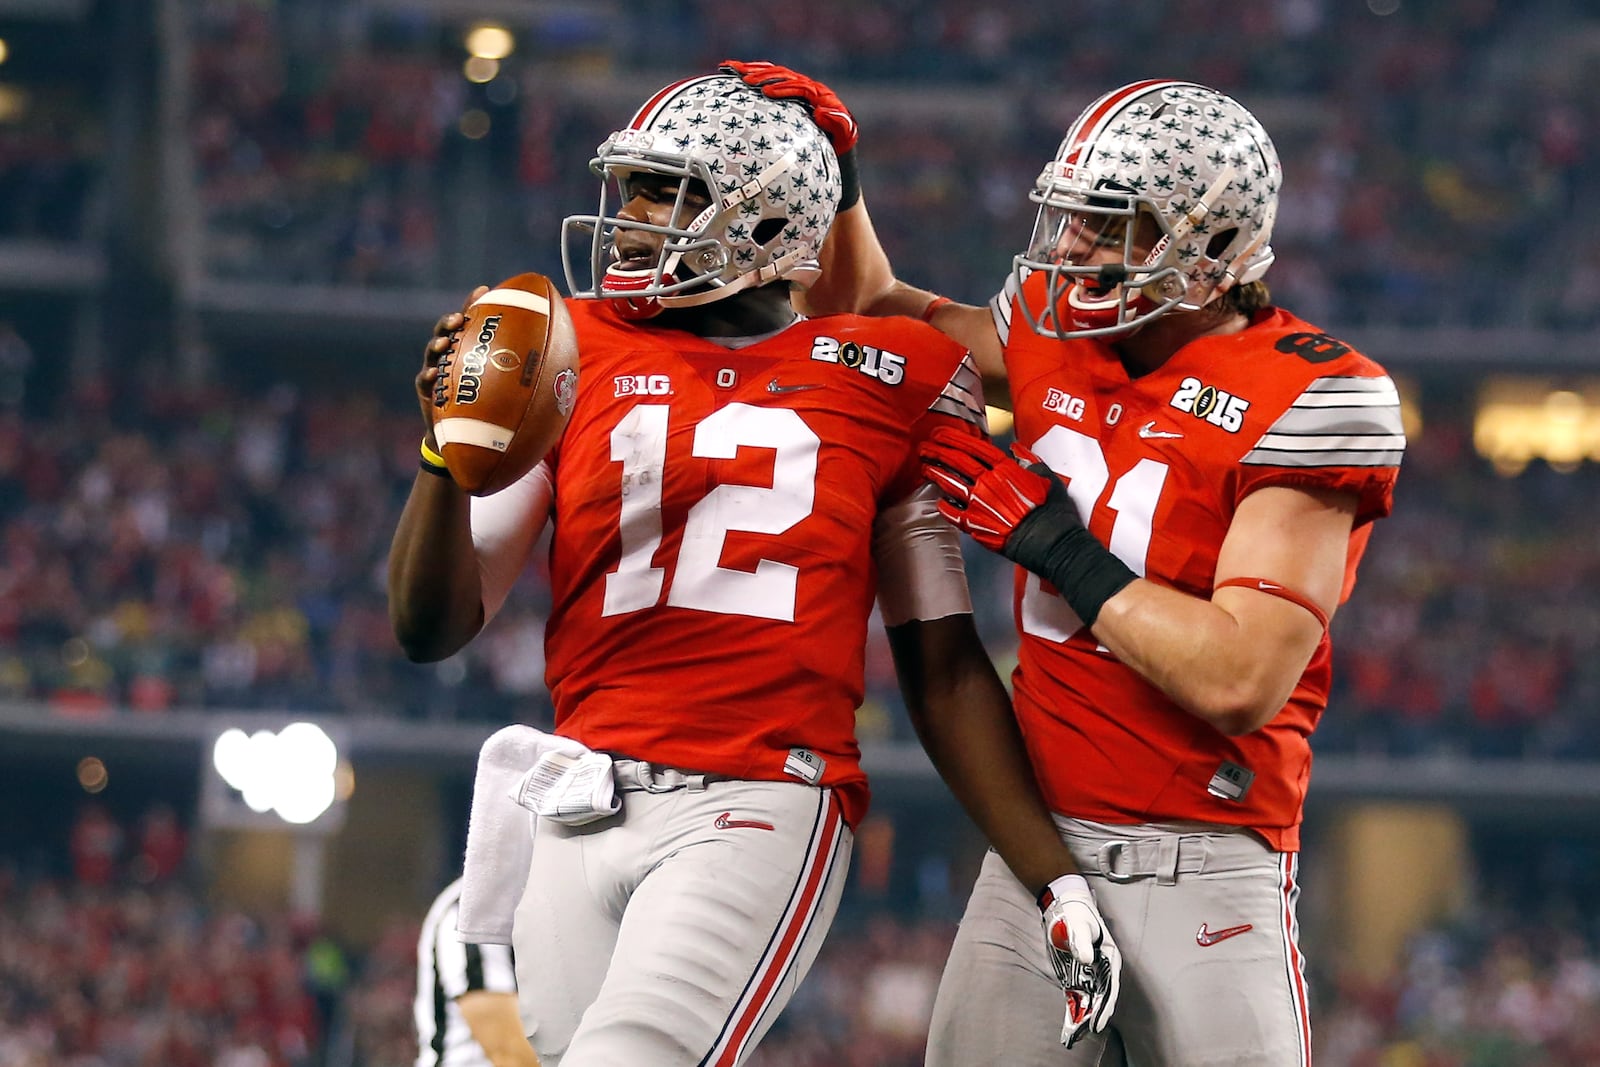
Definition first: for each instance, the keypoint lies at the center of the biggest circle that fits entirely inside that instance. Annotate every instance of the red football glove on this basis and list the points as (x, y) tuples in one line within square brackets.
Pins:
[(982, 490), (781, 83)]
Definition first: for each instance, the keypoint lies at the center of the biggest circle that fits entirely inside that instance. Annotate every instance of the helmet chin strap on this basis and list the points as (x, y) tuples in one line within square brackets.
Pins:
[(753, 280)]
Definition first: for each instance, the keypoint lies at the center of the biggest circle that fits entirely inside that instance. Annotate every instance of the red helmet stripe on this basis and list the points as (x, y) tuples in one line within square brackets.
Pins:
[(1087, 128), (648, 112)]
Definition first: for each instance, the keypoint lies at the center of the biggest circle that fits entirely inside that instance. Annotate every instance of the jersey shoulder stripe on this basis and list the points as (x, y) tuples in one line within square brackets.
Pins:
[(1000, 308), (962, 396), (1337, 421)]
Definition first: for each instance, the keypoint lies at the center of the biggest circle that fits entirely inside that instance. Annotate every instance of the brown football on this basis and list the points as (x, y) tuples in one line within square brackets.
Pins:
[(506, 387)]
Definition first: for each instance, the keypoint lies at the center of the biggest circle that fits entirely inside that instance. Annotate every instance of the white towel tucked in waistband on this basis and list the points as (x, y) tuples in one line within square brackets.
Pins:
[(499, 838)]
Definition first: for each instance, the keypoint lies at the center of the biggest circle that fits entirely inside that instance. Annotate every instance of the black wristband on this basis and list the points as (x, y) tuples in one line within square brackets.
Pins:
[(433, 468), (1053, 544), (849, 180)]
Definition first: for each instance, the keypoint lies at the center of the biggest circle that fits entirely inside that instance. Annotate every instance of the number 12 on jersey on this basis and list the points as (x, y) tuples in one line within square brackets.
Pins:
[(699, 582), (1134, 496)]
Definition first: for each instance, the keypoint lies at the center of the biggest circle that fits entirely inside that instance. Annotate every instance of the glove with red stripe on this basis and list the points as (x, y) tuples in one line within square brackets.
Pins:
[(1025, 514), (1087, 961), (827, 111), (982, 490)]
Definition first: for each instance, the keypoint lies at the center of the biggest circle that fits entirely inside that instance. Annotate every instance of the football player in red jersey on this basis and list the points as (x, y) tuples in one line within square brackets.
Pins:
[(1198, 473), (734, 487)]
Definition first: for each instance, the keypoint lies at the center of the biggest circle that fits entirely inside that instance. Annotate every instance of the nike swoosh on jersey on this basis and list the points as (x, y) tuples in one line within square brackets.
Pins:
[(1205, 937), (1149, 430), (723, 822), (799, 387)]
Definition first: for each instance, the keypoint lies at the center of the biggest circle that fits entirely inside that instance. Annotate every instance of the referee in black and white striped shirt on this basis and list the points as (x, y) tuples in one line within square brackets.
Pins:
[(466, 1005)]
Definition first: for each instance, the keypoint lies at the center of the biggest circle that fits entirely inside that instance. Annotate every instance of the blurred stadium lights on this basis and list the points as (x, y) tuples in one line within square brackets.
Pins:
[(13, 103), (293, 773), (5, 50), (92, 774), (1519, 420), (474, 124), (1410, 408), (480, 69), (490, 40)]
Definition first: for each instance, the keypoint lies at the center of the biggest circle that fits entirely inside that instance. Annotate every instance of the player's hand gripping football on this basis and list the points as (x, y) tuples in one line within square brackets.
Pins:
[(439, 346), (1086, 959), (781, 83)]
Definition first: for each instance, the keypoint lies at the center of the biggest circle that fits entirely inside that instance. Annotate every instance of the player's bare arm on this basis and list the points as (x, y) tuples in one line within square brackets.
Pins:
[(962, 715), (1234, 660), (435, 603), (493, 1020)]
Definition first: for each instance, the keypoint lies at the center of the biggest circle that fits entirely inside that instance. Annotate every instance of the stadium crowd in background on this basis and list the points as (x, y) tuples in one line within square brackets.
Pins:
[(333, 165), (134, 972)]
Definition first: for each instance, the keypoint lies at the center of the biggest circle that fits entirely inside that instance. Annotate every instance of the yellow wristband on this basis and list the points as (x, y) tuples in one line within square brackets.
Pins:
[(432, 458)]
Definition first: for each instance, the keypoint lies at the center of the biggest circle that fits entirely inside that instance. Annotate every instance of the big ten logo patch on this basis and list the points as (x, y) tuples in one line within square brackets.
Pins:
[(1217, 406), (643, 385), (1063, 403), (887, 367)]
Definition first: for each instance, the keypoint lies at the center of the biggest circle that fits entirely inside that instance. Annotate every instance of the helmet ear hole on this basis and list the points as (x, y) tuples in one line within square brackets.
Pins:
[(766, 230), (1219, 242)]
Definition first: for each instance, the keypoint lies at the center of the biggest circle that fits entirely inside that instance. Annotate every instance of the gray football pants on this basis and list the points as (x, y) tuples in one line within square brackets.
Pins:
[(1211, 971), (673, 933)]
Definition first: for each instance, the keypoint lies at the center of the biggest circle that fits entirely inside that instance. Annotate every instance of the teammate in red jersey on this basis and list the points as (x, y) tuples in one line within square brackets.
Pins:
[(735, 486), (1199, 472)]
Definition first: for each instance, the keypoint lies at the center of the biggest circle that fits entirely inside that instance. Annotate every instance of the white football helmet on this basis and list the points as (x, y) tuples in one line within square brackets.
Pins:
[(773, 176), (1181, 178)]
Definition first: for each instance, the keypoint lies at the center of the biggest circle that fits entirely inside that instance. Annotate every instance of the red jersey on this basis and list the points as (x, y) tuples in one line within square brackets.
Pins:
[(712, 565), (1158, 464)]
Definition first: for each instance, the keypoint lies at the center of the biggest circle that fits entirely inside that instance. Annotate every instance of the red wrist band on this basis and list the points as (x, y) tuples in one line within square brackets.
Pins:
[(1262, 585), (934, 305)]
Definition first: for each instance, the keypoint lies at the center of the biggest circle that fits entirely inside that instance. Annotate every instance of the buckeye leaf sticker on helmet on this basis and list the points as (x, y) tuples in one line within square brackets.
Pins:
[(507, 385)]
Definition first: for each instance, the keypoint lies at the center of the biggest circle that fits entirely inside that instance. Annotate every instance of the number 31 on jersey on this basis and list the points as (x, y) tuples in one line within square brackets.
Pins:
[(1134, 496)]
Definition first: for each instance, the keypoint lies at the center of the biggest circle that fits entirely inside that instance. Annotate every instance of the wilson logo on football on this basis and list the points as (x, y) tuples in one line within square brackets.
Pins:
[(474, 361)]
